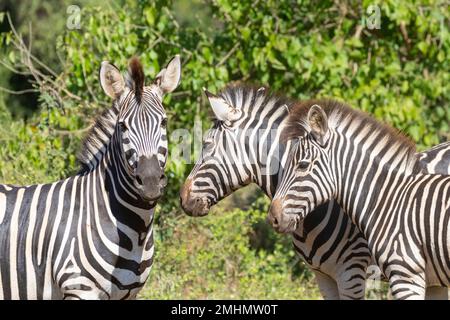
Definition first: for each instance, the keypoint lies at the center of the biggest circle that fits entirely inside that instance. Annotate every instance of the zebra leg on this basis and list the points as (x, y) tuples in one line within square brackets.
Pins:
[(352, 285), (436, 293), (406, 288), (78, 287), (328, 287)]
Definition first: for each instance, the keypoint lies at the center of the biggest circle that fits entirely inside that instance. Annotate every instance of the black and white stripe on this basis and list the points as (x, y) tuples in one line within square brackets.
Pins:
[(247, 147), (90, 236), (374, 174)]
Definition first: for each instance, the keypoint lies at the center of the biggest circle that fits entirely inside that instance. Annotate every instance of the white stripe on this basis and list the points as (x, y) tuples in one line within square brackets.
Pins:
[(31, 272), (2, 207), (51, 245), (68, 228), (48, 204), (13, 239)]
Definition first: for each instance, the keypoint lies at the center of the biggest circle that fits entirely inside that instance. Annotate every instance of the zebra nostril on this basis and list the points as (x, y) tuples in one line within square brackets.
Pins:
[(275, 222), (138, 180), (198, 200)]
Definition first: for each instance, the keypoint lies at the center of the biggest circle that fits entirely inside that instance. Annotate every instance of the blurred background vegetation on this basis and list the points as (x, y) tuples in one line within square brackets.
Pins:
[(303, 49)]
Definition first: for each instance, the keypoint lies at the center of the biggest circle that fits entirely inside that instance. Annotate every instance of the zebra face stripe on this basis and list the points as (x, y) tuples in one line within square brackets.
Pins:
[(242, 147), (220, 169), (139, 132), (306, 183), (143, 138)]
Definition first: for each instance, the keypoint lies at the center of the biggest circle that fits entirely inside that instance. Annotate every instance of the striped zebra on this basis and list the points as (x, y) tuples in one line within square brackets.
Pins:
[(244, 147), (373, 173), (90, 236)]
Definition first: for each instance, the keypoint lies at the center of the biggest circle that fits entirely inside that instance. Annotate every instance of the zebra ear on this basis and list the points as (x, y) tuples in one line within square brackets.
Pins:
[(111, 80), (222, 110), (318, 122), (169, 77)]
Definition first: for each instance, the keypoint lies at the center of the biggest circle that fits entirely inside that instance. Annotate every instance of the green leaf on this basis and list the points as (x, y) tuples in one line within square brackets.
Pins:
[(150, 14), (12, 56), (423, 47)]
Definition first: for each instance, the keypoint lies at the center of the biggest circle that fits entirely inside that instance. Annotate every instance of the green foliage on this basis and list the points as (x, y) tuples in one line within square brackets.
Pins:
[(39, 152), (213, 258), (302, 49)]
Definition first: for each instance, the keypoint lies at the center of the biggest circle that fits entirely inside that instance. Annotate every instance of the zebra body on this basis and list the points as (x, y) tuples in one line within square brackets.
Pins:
[(90, 236), (373, 173), (246, 147), (63, 240)]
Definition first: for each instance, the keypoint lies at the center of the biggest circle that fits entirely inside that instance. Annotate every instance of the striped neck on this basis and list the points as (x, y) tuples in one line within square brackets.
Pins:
[(268, 156), (367, 171), (97, 140)]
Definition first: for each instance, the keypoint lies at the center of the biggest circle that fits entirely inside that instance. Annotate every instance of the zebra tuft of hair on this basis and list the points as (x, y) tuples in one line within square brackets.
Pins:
[(136, 76)]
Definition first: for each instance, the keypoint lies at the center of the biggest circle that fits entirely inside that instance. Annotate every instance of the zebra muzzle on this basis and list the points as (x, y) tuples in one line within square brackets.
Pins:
[(279, 220), (192, 205), (150, 179)]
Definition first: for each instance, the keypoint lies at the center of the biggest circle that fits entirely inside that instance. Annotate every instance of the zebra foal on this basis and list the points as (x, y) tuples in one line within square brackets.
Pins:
[(372, 172), (90, 236)]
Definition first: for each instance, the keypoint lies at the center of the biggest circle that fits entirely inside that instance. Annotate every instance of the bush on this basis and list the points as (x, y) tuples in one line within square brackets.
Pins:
[(213, 258)]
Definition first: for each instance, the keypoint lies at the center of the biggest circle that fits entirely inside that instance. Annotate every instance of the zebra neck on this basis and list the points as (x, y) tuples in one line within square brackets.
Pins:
[(270, 154), (365, 179), (97, 140)]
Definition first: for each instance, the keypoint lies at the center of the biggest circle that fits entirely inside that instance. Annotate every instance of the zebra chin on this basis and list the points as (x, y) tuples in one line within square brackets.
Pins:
[(281, 221), (151, 196)]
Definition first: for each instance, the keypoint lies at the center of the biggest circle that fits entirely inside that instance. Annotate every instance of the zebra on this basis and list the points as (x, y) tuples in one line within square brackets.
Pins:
[(90, 236), (372, 171), (244, 146)]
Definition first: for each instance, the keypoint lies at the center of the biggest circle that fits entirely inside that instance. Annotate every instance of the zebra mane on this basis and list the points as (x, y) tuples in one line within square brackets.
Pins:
[(98, 137), (247, 97), (135, 77), (338, 114)]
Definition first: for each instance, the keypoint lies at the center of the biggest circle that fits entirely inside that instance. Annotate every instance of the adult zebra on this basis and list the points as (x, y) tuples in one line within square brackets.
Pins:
[(372, 172), (90, 236), (243, 147)]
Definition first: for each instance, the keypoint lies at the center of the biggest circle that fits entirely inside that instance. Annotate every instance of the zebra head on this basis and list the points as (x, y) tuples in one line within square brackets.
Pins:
[(140, 133), (306, 181), (223, 164)]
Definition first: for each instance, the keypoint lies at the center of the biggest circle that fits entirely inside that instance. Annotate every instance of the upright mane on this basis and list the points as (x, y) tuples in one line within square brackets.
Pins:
[(98, 137), (341, 115), (249, 97), (136, 73)]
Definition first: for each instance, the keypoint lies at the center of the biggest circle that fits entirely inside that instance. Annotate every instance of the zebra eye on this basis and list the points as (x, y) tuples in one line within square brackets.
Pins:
[(303, 165), (164, 123), (122, 126)]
